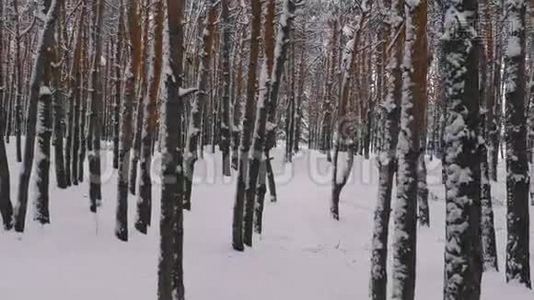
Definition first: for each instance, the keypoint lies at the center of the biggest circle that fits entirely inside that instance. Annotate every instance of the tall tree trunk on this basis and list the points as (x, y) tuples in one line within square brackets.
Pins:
[(226, 125), (170, 268), (463, 265), (247, 130), (126, 130), (95, 114), (144, 201), (44, 42), (517, 177), (6, 208), (201, 99), (387, 161), (345, 124), (408, 150)]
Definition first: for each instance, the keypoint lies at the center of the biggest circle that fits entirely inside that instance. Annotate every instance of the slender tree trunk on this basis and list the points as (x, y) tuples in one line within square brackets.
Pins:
[(388, 161), (126, 130), (226, 125), (201, 99), (144, 201), (6, 208), (95, 114), (247, 129), (408, 150)]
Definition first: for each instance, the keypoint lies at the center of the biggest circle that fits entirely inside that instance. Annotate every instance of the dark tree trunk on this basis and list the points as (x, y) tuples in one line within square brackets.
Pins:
[(408, 150), (247, 130), (388, 161), (42, 161), (95, 115), (463, 262), (170, 267), (517, 177), (45, 41), (144, 202), (6, 208)]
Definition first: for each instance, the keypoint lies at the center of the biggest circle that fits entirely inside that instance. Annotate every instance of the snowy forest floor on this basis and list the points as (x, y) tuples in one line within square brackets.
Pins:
[(302, 255)]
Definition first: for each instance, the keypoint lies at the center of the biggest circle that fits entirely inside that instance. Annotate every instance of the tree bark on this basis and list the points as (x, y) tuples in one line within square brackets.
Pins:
[(517, 177), (45, 41)]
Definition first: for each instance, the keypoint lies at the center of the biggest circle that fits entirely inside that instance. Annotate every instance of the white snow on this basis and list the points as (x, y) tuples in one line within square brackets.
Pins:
[(303, 253)]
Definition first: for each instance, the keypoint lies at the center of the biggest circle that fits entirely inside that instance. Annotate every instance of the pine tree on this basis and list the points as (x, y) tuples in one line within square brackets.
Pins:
[(517, 178), (408, 149), (463, 249), (95, 110), (170, 268), (246, 134), (42, 161), (201, 99), (44, 42), (144, 201), (387, 161), (6, 208)]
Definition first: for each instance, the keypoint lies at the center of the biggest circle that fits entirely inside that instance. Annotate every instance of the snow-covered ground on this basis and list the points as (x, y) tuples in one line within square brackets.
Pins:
[(303, 254)]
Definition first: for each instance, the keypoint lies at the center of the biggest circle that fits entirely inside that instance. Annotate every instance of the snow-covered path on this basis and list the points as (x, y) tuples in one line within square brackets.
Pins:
[(303, 254)]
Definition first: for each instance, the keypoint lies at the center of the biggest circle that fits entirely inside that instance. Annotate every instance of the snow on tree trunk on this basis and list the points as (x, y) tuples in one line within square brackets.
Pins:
[(463, 265), (224, 143), (45, 39), (279, 58), (247, 130), (487, 227), (58, 99), (144, 201), (170, 267), (345, 132), (408, 150), (423, 213), (387, 161), (517, 177), (42, 157), (201, 99), (95, 95), (261, 189), (126, 130), (73, 131), (118, 92)]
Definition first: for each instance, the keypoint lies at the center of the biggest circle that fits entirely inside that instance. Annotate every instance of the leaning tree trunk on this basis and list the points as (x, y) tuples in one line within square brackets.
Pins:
[(517, 177), (345, 125), (44, 42)]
